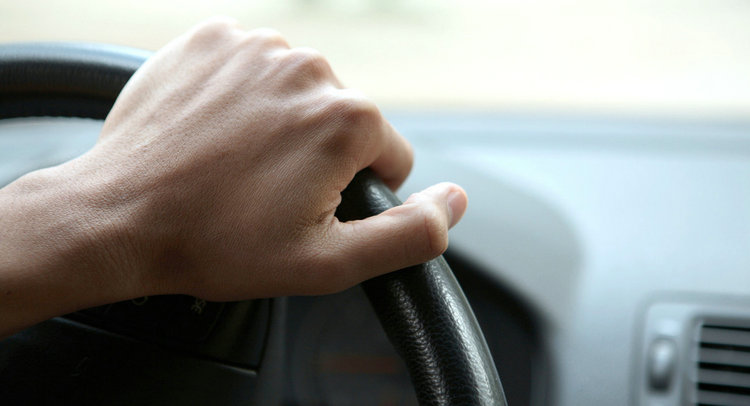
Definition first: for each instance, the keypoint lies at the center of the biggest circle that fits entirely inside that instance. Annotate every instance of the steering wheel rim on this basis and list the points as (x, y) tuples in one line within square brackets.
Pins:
[(422, 309)]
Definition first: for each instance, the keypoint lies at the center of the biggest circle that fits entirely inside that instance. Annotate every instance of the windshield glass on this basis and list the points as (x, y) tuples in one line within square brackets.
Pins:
[(669, 57)]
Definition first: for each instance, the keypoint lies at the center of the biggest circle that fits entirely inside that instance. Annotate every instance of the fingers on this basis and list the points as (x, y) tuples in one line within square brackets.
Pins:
[(373, 141), (406, 235), (366, 135), (396, 158), (306, 67), (210, 31), (222, 33), (269, 37), (216, 21)]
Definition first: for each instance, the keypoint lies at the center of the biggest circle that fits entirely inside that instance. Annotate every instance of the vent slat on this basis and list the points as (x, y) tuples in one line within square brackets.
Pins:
[(724, 357), (724, 378), (714, 335), (735, 325), (721, 398)]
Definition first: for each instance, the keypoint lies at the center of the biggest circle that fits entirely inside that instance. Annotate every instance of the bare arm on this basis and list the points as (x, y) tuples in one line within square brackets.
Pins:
[(217, 174)]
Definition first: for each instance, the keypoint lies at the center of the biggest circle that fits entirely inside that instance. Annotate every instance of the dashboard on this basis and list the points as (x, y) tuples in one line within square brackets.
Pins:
[(606, 258), (599, 222), (337, 350)]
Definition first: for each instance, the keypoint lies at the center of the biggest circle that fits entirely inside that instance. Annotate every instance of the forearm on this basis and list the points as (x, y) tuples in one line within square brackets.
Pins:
[(56, 249)]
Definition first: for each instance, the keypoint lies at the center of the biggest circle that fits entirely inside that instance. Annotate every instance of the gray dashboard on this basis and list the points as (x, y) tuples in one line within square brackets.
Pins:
[(594, 221)]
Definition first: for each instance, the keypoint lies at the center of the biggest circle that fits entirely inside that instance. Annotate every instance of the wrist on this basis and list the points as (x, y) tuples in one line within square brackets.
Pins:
[(66, 245)]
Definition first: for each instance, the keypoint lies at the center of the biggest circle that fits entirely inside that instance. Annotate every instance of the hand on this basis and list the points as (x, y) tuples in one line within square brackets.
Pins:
[(220, 167)]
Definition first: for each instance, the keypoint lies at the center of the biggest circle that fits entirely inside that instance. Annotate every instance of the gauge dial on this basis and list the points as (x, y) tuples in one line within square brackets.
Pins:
[(341, 355)]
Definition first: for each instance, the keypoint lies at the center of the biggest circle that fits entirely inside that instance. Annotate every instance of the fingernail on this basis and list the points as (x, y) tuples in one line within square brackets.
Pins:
[(456, 207)]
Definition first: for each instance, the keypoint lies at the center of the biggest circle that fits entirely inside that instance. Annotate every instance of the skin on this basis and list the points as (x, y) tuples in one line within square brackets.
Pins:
[(216, 174)]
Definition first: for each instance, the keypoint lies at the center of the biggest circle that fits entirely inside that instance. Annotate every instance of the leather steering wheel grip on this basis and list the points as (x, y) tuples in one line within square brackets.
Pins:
[(422, 309), (426, 316)]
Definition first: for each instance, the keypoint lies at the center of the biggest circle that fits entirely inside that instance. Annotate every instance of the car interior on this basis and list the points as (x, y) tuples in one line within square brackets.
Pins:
[(605, 253)]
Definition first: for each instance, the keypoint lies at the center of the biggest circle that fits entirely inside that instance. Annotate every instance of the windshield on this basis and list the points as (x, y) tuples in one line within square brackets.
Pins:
[(665, 57)]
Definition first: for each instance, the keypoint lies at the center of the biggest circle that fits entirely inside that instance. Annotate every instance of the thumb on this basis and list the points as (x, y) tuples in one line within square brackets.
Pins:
[(402, 236)]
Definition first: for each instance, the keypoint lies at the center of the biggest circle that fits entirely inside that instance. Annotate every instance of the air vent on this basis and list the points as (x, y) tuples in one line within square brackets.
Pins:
[(723, 364)]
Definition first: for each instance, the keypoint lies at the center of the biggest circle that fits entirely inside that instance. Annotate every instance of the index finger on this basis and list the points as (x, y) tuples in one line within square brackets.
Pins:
[(396, 157)]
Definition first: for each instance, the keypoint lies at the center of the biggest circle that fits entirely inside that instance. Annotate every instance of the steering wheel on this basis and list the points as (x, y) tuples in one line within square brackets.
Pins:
[(422, 309)]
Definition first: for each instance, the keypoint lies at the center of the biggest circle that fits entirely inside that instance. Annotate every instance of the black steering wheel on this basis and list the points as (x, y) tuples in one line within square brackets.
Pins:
[(422, 309)]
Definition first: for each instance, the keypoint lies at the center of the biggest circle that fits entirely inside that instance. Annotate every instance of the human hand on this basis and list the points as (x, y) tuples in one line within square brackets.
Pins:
[(218, 172)]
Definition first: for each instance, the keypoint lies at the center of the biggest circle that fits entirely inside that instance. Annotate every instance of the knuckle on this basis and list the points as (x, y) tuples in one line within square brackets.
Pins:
[(310, 61), (435, 231), (355, 128), (355, 125), (355, 110), (212, 30), (267, 36)]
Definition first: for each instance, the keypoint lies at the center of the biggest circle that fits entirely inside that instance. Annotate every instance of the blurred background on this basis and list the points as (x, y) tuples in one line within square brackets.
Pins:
[(604, 144), (686, 58)]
